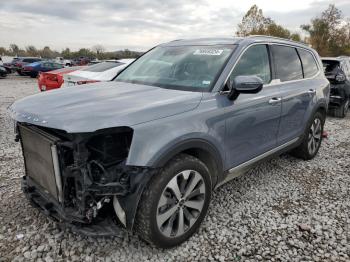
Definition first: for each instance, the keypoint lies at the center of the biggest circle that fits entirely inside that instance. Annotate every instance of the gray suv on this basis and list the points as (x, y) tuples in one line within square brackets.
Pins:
[(145, 151)]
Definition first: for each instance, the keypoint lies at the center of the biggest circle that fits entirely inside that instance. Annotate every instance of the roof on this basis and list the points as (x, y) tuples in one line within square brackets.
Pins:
[(339, 58), (333, 58), (233, 40), (204, 41)]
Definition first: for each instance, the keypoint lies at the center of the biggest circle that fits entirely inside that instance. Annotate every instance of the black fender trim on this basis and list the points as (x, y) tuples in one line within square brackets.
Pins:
[(142, 175), (192, 144)]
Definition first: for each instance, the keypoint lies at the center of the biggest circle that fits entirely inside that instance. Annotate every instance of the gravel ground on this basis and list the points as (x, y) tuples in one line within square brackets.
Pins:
[(283, 210)]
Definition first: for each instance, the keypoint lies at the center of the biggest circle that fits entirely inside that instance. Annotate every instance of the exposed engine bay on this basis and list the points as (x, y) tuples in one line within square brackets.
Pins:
[(82, 179)]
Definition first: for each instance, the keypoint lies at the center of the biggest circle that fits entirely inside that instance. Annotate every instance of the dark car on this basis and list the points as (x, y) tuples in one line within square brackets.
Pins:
[(337, 71), (22, 61), (81, 61), (33, 69), (148, 148), (3, 71)]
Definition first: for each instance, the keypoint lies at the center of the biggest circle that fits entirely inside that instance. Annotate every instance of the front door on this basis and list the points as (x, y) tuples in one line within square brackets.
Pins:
[(252, 119)]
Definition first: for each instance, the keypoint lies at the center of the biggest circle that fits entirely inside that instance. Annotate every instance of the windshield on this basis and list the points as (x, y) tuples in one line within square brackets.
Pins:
[(192, 68)]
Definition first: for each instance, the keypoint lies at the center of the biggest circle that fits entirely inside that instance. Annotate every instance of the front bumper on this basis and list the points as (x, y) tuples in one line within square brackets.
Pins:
[(66, 219)]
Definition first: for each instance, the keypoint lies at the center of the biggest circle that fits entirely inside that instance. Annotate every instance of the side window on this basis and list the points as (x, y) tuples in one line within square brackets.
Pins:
[(57, 66), (309, 63), (287, 63), (254, 61)]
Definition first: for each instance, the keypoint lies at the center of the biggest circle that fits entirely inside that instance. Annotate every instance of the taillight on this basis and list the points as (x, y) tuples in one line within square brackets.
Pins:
[(87, 82), (28, 68)]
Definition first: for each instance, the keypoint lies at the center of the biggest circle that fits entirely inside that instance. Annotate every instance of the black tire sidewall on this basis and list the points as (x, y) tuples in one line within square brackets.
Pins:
[(166, 175)]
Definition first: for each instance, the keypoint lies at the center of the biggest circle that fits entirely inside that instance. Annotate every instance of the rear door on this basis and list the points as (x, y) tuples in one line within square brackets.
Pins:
[(297, 92)]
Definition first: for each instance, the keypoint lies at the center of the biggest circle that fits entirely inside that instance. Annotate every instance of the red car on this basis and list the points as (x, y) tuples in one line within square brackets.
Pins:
[(54, 79)]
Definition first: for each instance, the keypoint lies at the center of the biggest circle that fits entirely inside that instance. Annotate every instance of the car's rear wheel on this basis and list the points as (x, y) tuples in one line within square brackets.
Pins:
[(312, 138), (174, 203), (342, 110)]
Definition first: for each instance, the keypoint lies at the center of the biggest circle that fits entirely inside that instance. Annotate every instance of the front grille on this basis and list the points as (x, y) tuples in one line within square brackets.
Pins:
[(40, 158)]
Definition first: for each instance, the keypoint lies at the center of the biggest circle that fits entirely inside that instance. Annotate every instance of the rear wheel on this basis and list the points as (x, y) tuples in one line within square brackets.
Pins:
[(174, 203), (312, 140), (342, 110)]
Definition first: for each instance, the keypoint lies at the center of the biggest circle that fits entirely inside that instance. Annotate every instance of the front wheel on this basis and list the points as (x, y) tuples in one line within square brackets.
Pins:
[(312, 139), (174, 203)]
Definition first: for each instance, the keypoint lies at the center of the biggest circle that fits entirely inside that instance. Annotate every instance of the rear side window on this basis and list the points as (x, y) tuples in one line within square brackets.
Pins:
[(309, 63), (30, 60), (254, 61), (55, 65), (330, 66), (103, 66), (287, 63)]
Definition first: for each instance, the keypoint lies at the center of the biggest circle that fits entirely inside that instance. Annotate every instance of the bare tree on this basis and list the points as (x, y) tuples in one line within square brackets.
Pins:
[(99, 50), (255, 23)]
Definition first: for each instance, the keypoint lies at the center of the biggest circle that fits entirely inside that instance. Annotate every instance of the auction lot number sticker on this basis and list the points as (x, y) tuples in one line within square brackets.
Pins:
[(208, 52)]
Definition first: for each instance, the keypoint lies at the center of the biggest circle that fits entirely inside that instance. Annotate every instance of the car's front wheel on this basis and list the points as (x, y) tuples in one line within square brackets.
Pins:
[(174, 203)]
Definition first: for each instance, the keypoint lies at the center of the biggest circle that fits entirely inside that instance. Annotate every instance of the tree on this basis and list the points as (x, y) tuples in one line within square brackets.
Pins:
[(3, 51), (46, 52), (328, 34), (14, 49), (84, 52), (99, 50), (31, 50), (66, 53), (255, 23)]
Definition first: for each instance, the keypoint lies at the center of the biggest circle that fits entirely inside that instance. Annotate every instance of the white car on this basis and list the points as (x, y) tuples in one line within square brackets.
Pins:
[(104, 71), (62, 61)]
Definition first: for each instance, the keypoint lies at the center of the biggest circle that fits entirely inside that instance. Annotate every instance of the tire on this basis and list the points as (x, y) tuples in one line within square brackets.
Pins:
[(342, 110), (158, 201), (20, 73), (307, 150)]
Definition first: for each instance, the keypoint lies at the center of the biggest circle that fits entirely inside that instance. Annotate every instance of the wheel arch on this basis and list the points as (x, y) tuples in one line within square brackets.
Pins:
[(199, 148)]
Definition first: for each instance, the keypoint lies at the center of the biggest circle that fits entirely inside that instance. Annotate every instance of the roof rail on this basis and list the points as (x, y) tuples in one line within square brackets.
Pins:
[(278, 38)]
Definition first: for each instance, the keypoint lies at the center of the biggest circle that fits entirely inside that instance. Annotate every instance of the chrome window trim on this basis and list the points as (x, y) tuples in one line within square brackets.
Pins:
[(272, 82)]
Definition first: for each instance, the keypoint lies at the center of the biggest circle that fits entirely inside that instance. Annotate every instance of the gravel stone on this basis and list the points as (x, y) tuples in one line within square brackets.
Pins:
[(283, 210)]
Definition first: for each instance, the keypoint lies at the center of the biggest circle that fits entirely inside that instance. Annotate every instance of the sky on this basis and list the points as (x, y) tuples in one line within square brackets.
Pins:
[(140, 24)]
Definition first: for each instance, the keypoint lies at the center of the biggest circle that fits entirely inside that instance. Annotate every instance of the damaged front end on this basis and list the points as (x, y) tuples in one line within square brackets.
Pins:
[(82, 180)]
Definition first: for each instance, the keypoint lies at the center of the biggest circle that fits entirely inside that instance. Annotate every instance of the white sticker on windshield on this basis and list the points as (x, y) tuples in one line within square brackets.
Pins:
[(208, 52), (206, 82)]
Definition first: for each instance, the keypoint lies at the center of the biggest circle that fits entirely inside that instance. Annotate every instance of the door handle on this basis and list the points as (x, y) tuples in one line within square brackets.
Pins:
[(275, 100), (311, 91)]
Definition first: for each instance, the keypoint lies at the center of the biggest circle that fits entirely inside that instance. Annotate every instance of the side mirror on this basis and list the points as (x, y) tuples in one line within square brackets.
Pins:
[(250, 84)]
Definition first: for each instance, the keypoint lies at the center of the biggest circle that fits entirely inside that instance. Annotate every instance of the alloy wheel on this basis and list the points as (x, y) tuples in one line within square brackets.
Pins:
[(315, 135), (181, 203)]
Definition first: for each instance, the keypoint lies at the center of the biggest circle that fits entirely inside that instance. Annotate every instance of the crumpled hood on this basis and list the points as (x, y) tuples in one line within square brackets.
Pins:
[(88, 108)]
